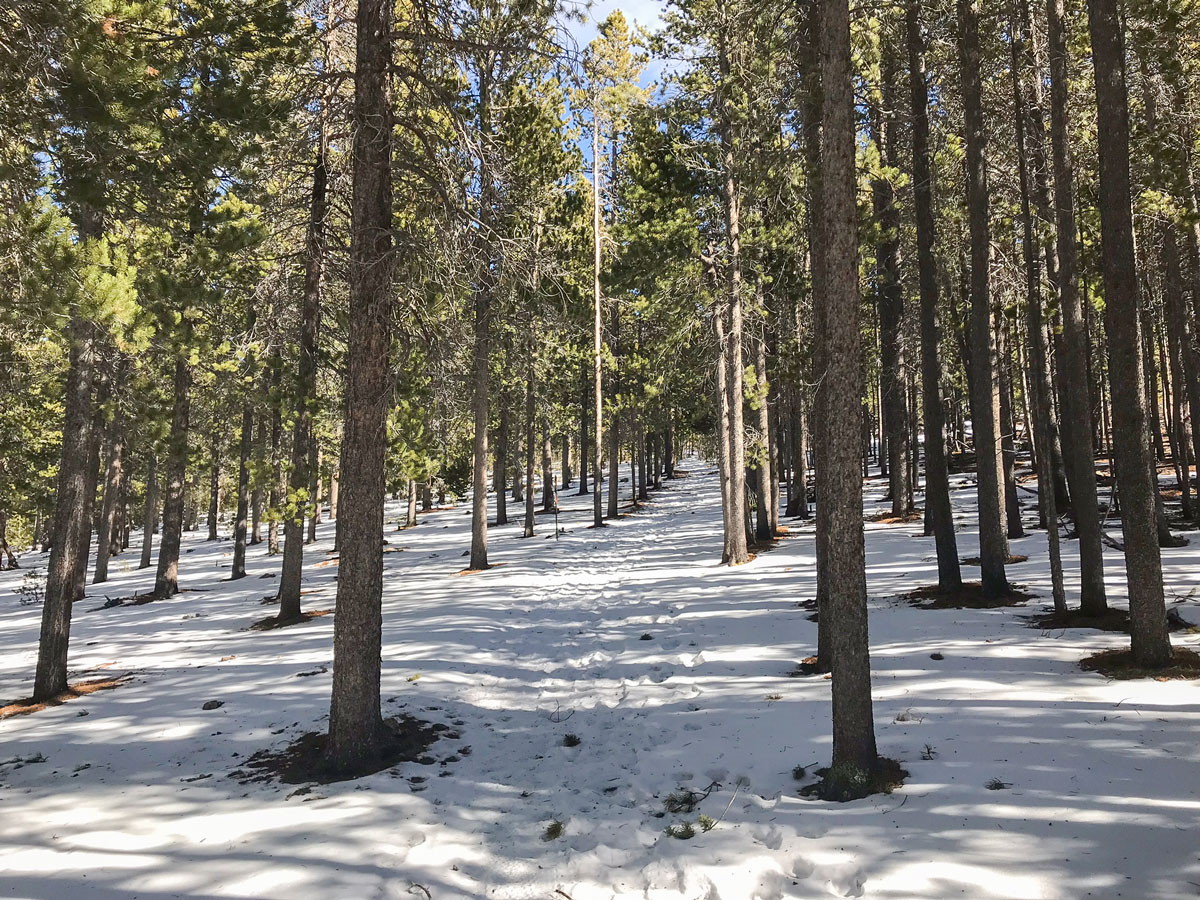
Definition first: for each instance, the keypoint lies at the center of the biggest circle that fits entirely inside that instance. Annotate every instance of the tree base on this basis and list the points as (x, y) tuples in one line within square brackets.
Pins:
[(79, 689), (1116, 620), (402, 739), (273, 623), (1120, 665), (969, 596), (844, 782)]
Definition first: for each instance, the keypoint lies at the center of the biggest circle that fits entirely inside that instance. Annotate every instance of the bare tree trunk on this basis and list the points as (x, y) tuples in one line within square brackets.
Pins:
[(1185, 360), (214, 486), (243, 492), (72, 510), (597, 334), (149, 510), (764, 530), (891, 303), (278, 491), (256, 494), (299, 498), (839, 491), (1132, 450), (355, 723), (938, 513), (1008, 427), (530, 428), (105, 534), (1073, 365), (1039, 365), (738, 550), (547, 467), (410, 517), (985, 406), (166, 580), (500, 465)]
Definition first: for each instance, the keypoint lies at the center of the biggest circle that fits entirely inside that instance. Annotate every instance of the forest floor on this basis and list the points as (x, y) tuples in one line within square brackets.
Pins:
[(1029, 778)]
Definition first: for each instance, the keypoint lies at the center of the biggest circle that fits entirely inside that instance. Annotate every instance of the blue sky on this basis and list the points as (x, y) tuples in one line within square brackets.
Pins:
[(643, 12), (640, 12)]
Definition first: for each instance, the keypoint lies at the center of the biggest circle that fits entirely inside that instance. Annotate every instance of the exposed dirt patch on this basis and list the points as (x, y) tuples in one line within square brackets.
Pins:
[(1113, 620), (886, 518), (1120, 664), (478, 571), (404, 739), (969, 596), (79, 689), (272, 623), (810, 665)]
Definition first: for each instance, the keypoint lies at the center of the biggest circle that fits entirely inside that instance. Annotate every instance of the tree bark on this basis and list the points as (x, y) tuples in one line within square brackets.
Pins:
[(298, 499), (105, 534), (166, 581), (149, 510), (214, 486), (738, 550), (985, 389), (72, 510), (1073, 365), (890, 299), (839, 491), (243, 492), (938, 512), (355, 723), (1133, 454)]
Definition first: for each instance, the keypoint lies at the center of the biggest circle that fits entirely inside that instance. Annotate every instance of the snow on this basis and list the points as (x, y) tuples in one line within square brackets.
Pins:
[(136, 798)]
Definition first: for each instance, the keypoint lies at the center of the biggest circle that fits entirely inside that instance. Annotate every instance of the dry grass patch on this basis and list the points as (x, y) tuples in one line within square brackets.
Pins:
[(886, 518), (79, 689), (1121, 666), (969, 596), (1116, 620), (273, 623)]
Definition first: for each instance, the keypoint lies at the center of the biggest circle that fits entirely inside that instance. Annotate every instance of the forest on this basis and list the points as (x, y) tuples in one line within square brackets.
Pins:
[(540, 448)]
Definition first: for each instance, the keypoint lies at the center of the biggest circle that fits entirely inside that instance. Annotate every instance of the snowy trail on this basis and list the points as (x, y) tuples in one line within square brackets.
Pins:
[(671, 671)]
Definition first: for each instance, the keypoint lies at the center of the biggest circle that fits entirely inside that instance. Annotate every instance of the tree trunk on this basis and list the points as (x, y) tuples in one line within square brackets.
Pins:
[(256, 494), (597, 327), (355, 723), (214, 487), (105, 534), (764, 530), (278, 485), (1008, 428), (890, 294), (298, 498), (938, 514), (530, 429), (547, 468), (985, 392), (243, 492), (166, 580), (1039, 365), (149, 510), (500, 466), (738, 549), (583, 433), (72, 510), (839, 486), (1132, 451), (1073, 364)]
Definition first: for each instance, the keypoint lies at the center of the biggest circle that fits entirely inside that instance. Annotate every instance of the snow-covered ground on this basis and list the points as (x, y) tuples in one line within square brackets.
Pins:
[(135, 796)]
